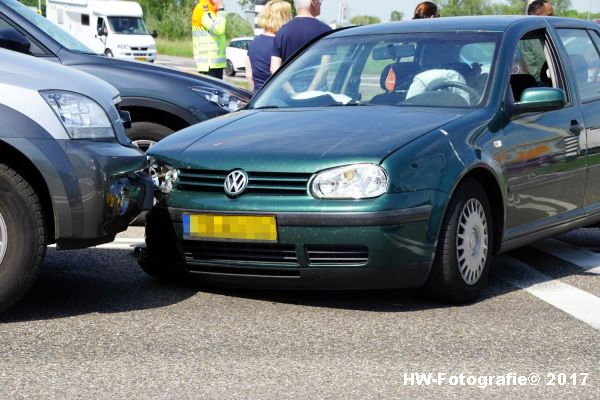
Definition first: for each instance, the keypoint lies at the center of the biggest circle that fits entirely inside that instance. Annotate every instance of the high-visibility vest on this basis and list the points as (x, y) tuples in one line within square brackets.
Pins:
[(208, 37)]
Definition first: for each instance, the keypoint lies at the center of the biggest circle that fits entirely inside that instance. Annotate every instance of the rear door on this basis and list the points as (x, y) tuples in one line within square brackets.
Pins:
[(582, 47), (545, 160)]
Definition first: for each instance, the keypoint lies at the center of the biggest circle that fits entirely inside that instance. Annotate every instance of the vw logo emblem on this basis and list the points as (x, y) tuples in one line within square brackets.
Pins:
[(236, 182)]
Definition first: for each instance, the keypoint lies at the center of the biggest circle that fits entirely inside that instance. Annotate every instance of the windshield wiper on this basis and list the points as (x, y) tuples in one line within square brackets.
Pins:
[(263, 107)]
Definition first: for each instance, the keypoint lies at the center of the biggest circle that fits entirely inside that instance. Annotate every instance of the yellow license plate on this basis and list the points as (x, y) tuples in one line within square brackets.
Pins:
[(140, 58), (229, 227)]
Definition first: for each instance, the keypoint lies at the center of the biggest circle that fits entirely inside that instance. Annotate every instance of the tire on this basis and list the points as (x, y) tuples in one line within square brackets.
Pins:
[(108, 53), (229, 70), (144, 134), (161, 259), (22, 236), (468, 223)]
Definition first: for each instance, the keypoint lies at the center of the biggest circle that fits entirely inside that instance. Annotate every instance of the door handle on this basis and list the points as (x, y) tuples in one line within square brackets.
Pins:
[(576, 127)]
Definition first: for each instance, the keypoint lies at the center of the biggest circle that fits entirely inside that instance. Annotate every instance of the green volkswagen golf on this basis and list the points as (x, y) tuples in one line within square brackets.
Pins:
[(387, 156)]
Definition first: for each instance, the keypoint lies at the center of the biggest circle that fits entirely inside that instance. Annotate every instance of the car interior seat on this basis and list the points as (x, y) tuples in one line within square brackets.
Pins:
[(395, 79), (545, 76)]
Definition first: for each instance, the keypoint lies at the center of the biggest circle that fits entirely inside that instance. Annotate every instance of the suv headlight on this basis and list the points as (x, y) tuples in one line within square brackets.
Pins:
[(358, 181), (221, 98), (81, 116)]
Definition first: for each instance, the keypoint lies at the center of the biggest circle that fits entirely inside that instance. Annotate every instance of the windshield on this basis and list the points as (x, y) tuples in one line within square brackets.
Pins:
[(445, 69), (127, 25), (58, 34)]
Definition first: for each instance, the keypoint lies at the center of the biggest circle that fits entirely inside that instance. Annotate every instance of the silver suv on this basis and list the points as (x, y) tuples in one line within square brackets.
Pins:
[(68, 173)]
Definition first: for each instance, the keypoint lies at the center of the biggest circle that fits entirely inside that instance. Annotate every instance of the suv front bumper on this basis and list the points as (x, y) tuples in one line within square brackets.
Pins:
[(106, 187)]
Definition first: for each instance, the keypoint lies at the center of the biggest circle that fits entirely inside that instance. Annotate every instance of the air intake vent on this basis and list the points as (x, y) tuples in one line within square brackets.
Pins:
[(265, 272), (274, 183), (337, 255), (240, 253)]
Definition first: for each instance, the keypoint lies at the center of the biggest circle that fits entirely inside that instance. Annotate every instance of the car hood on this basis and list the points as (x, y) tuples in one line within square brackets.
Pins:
[(37, 74), (299, 140), (134, 78)]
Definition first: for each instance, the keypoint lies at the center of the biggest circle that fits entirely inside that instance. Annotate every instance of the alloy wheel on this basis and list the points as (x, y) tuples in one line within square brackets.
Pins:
[(3, 238), (472, 241)]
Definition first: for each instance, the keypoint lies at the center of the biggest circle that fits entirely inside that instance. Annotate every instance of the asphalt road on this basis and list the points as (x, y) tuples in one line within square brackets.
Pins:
[(94, 326), (188, 65)]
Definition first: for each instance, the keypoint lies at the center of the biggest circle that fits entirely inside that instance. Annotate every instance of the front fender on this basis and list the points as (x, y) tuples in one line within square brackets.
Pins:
[(439, 161), (60, 180)]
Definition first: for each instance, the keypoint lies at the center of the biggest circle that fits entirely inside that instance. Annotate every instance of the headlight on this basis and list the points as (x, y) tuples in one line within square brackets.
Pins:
[(358, 181), (81, 116), (223, 99), (123, 47), (163, 176), (152, 47)]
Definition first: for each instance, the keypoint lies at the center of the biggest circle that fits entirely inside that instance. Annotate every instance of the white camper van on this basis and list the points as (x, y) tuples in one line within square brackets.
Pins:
[(115, 28)]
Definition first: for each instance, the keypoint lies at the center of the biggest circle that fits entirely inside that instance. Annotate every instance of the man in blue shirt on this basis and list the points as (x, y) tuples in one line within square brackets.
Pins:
[(299, 31)]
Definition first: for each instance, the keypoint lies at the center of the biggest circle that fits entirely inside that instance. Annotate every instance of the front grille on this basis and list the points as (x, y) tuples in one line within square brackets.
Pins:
[(337, 255), (273, 183), (139, 48), (240, 253)]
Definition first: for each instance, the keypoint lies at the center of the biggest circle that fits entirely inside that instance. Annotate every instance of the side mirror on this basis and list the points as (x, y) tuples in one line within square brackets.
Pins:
[(13, 40), (101, 32), (154, 34), (538, 99)]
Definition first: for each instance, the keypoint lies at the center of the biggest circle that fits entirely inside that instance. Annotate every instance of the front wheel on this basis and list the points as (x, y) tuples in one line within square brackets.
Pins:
[(144, 134), (108, 53), (22, 236), (229, 70), (161, 258), (464, 252)]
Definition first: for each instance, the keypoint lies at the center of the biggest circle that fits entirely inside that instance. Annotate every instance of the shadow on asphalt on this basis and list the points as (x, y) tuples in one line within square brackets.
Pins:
[(392, 300), (109, 281), (80, 282)]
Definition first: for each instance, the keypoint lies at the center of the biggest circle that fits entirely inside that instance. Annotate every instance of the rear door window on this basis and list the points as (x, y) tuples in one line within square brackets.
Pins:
[(585, 62)]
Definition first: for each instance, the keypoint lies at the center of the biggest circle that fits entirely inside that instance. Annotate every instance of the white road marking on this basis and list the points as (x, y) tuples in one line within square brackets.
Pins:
[(585, 259), (118, 244), (129, 240), (575, 302)]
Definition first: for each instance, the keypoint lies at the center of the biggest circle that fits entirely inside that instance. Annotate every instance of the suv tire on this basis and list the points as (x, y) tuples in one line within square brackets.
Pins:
[(22, 236)]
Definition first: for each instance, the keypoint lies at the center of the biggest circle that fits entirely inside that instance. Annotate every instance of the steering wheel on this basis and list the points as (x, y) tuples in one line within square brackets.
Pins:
[(475, 95)]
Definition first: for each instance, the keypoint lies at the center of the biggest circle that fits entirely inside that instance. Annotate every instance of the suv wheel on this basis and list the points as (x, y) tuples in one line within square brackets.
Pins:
[(108, 53), (144, 134), (22, 236), (464, 253)]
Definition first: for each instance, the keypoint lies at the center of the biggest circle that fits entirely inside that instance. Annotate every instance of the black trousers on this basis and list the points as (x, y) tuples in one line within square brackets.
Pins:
[(214, 72)]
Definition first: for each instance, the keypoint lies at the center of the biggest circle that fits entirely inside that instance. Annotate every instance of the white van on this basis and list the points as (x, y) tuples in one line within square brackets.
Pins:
[(115, 28)]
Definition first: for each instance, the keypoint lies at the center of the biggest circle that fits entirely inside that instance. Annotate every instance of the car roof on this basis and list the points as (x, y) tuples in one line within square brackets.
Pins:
[(494, 23), (242, 38)]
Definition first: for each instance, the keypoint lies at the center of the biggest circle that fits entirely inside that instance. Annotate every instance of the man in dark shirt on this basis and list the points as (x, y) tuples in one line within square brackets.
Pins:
[(299, 31), (541, 8)]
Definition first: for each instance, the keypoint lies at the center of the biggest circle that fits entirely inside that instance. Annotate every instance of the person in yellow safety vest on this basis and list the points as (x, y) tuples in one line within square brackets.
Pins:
[(208, 37)]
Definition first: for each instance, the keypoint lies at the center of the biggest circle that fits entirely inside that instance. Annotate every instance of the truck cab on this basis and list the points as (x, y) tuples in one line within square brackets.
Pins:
[(114, 28)]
